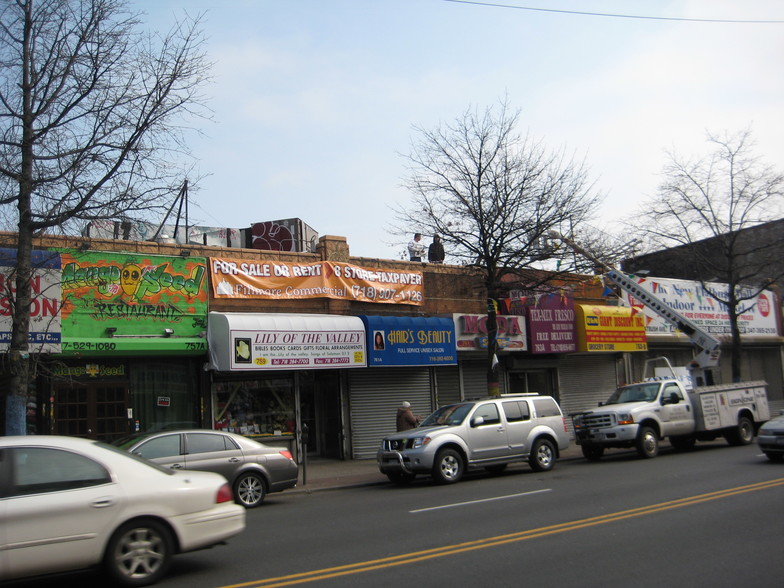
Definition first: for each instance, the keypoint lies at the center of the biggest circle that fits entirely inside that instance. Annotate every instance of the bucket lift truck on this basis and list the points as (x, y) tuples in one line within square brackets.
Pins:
[(642, 414)]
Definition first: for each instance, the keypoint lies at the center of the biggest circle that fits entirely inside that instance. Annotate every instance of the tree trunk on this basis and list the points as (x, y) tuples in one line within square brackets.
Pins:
[(18, 349)]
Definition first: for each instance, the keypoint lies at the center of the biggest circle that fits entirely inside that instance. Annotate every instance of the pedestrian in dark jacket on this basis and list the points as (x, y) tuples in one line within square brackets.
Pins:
[(405, 417), (435, 253)]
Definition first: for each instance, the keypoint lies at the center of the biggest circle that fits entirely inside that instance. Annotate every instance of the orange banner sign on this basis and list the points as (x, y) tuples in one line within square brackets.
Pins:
[(275, 280)]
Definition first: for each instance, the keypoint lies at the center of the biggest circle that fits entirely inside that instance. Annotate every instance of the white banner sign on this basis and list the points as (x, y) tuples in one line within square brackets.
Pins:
[(697, 304)]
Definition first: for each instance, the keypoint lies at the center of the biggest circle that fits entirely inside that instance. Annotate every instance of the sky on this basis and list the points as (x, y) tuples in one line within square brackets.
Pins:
[(316, 102)]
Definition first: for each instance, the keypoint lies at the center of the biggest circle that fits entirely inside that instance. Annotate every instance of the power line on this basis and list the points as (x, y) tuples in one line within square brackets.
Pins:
[(614, 15)]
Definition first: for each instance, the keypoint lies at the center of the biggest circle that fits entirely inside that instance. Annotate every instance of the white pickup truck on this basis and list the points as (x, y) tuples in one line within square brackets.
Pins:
[(640, 415)]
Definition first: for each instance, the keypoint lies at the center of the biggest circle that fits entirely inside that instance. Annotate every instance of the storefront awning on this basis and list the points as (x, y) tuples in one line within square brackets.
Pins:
[(410, 341), (261, 341)]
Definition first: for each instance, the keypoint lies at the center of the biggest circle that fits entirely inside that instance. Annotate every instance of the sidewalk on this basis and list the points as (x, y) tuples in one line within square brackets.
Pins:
[(330, 474)]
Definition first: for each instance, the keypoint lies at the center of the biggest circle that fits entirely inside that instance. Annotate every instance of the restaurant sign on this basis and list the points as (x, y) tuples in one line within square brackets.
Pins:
[(133, 303)]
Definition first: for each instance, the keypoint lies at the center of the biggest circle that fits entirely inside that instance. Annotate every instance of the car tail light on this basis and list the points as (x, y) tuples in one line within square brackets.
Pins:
[(287, 454), (224, 494), (564, 422)]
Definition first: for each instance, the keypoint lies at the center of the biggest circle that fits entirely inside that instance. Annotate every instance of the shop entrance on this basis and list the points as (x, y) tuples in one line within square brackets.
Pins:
[(320, 410), (533, 381), (93, 410)]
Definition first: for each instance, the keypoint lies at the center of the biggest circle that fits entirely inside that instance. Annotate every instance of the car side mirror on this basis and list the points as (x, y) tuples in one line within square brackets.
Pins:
[(476, 421)]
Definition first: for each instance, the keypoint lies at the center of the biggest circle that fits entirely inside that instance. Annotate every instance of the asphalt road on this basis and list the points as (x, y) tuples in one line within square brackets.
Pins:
[(711, 517)]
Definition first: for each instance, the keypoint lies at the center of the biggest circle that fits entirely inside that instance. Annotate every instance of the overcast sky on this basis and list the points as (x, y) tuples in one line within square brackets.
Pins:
[(315, 100)]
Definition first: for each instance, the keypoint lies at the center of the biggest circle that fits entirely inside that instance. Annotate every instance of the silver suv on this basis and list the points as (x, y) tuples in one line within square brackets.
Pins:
[(488, 433)]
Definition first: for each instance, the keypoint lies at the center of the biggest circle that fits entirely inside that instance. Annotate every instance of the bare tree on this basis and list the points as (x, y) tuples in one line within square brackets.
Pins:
[(494, 197), (91, 113), (705, 207)]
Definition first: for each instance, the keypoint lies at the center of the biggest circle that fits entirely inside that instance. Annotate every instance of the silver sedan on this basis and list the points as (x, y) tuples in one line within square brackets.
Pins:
[(253, 469)]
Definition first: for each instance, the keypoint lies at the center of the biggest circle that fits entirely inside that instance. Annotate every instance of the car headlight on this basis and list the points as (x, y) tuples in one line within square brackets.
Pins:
[(625, 419), (418, 442)]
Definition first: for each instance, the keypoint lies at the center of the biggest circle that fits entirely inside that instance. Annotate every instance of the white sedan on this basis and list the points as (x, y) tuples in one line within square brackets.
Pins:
[(68, 503)]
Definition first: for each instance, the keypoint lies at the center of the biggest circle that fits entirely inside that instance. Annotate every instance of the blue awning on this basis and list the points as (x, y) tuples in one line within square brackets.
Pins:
[(410, 341)]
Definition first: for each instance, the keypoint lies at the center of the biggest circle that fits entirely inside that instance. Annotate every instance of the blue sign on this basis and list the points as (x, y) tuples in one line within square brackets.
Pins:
[(410, 341)]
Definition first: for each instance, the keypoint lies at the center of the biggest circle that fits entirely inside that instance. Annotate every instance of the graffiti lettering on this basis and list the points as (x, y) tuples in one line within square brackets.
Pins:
[(121, 310)]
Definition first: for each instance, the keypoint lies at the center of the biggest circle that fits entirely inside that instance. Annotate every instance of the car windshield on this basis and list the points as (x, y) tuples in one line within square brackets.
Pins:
[(450, 415), (635, 393)]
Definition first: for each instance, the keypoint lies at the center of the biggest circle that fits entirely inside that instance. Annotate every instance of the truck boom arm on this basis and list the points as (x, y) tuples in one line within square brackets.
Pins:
[(708, 347)]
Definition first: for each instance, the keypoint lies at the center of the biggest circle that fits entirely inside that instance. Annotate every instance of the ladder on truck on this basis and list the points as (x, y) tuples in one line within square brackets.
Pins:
[(708, 347)]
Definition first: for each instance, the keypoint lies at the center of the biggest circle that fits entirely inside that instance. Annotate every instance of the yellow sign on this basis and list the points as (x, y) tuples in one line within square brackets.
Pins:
[(609, 328), (274, 280)]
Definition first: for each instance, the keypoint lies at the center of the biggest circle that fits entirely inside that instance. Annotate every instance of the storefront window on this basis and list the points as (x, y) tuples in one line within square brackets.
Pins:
[(164, 395), (258, 407)]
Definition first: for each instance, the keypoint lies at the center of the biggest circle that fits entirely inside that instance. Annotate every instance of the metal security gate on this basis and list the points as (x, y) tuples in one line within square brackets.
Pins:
[(374, 397), (447, 385), (473, 375), (584, 381)]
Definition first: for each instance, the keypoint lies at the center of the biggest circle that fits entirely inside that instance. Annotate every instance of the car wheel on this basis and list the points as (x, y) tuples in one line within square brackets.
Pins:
[(249, 490), (542, 457), (592, 452), (743, 434), (139, 553), (448, 467), (647, 443), (774, 456), (401, 478)]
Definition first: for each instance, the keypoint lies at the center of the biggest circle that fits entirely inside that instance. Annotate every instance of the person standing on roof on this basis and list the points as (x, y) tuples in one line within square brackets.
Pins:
[(406, 419), (435, 253), (416, 249)]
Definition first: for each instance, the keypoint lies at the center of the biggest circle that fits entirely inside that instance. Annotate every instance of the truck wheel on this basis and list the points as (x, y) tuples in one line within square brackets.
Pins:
[(683, 443), (542, 457), (448, 467), (743, 433), (592, 452), (647, 443)]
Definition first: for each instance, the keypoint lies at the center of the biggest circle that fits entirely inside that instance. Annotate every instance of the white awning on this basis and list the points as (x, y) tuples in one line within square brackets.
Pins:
[(271, 341)]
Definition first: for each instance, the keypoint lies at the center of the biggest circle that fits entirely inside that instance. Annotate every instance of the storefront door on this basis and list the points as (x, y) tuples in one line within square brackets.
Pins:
[(532, 381), (320, 406), (96, 410)]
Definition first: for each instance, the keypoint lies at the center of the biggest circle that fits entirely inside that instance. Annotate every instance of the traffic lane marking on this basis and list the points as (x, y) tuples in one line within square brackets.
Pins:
[(481, 500), (418, 556)]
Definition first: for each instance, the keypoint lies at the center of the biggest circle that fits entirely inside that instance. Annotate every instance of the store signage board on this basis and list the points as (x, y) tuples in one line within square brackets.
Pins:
[(45, 318), (696, 303), (296, 349), (133, 303), (275, 280), (551, 325), (609, 329), (410, 341), (472, 335)]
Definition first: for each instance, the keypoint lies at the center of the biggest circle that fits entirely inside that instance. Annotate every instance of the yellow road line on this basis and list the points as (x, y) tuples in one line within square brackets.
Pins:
[(424, 555)]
